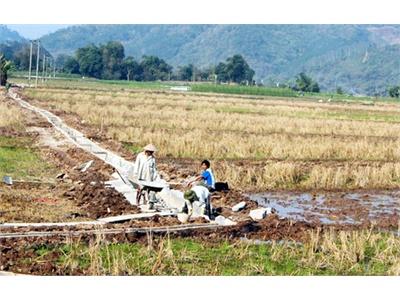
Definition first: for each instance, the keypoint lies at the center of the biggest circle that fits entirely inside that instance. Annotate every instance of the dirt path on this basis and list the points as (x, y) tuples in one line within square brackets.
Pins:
[(84, 191)]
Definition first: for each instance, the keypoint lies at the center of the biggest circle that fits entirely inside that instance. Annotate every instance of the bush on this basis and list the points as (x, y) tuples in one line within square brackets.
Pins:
[(394, 92)]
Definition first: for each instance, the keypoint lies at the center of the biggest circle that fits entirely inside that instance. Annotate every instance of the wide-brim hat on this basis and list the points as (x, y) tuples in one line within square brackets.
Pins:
[(150, 147)]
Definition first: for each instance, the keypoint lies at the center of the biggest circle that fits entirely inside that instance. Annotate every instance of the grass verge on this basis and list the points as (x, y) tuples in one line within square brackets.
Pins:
[(20, 161), (333, 253)]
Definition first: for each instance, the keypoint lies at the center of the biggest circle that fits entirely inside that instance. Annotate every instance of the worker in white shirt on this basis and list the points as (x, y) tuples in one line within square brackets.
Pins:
[(145, 169), (198, 193), (145, 165)]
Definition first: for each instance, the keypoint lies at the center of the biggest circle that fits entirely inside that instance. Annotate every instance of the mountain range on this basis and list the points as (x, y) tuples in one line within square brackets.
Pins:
[(8, 35), (361, 59)]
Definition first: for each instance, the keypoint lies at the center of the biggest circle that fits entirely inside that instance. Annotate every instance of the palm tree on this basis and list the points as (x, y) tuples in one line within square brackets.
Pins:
[(5, 66)]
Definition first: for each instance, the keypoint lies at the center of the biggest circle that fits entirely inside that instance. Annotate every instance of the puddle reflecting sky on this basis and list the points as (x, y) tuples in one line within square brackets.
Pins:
[(331, 208)]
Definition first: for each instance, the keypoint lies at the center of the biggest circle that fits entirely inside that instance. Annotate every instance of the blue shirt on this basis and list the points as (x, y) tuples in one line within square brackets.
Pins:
[(208, 177)]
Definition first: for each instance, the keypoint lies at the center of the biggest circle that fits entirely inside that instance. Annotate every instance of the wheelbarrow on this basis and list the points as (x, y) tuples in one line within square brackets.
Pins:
[(145, 190)]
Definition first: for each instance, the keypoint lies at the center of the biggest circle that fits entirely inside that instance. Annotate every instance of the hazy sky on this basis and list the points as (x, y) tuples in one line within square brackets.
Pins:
[(34, 31)]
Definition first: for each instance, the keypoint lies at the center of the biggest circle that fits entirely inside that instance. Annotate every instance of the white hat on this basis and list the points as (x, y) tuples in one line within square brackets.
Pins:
[(150, 147)]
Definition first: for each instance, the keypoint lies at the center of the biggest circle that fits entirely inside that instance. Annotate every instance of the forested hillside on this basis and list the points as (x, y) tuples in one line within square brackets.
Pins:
[(358, 58)]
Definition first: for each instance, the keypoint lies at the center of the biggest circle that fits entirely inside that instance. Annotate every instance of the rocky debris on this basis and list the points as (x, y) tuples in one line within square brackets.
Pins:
[(239, 206), (221, 220), (260, 213), (223, 202), (73, 215), (85, 166), (61, 176), (183, 218)]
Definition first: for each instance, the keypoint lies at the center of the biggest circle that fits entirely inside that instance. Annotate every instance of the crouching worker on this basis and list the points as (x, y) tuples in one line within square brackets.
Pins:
[(198, 196), (145, 169), (206, 177)]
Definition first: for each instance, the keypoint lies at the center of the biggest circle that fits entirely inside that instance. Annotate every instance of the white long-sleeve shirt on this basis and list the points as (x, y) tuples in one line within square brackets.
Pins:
[(202, 193), (145, 168)]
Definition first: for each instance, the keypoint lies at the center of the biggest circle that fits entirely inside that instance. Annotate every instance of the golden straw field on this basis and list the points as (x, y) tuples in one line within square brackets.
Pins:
[(9, 115), (253, 143)]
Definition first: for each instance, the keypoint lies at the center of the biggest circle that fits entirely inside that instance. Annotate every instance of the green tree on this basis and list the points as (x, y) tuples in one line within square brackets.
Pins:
[(221, 73), (314, 88), (113, 55), (61, 60), (21, 58), (155, 68), (132, 69), (90, 61), (185, 73), (5, 66), (394, 91), (305, 83), (235, 69), (339, 90), (238, 70), (71, 65), (206, 74)]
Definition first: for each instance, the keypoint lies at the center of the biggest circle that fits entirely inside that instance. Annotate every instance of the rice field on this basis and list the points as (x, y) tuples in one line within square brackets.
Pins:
[(245, 90), (9, 115), (253, 143)]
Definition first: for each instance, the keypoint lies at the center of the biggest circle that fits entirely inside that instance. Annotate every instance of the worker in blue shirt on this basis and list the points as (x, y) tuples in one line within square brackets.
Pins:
[(206, 177)]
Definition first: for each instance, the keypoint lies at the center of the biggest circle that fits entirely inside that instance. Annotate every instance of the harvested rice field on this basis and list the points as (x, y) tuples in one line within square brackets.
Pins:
[(329, 171)]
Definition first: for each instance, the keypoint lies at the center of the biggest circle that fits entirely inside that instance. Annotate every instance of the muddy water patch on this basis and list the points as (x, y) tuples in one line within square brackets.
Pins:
[(331, 208)]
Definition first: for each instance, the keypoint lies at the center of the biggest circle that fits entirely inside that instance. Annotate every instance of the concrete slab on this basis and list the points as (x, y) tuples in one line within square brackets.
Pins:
[(122, 218), (64, 224), (221, 220)]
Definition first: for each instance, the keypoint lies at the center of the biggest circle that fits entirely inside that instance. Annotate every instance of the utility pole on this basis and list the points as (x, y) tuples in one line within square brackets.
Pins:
[(48, 68), (30, 63), (54, 68), (37, 62), (44, 62), (48, 65)]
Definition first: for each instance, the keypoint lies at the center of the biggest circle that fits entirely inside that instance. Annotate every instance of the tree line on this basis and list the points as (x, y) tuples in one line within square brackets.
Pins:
[(108, 61)]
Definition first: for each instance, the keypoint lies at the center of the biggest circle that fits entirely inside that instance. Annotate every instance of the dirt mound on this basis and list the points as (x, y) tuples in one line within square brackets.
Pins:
[(88, 190), (224, 201), (97, 199)]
